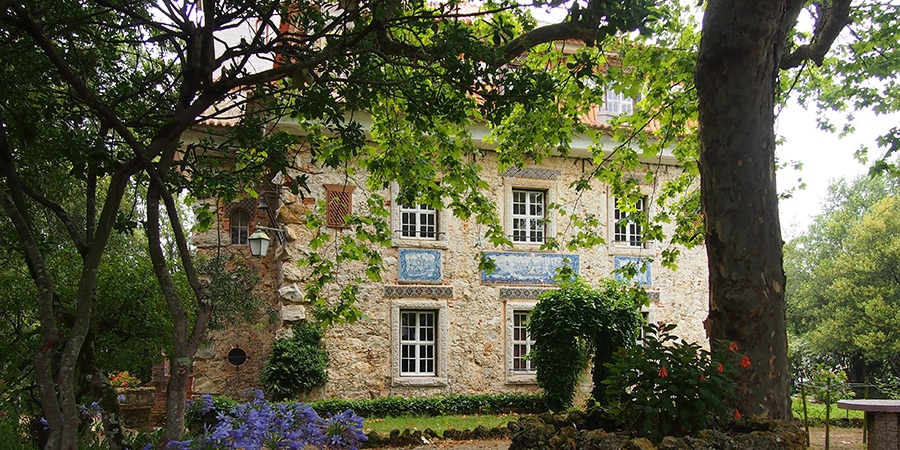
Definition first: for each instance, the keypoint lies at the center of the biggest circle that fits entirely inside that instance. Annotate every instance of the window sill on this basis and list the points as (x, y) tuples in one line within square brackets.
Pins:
[(419, 381), (623, 250), (419, 243), (530, 246), (521, 378)]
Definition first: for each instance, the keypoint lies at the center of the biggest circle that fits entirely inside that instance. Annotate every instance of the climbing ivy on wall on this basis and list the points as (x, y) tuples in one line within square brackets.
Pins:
[(574, 322)]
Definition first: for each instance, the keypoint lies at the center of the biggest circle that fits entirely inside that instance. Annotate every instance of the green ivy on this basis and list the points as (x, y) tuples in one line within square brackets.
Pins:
[(296, 365), (435, 406), (573, 322), (672, 387)]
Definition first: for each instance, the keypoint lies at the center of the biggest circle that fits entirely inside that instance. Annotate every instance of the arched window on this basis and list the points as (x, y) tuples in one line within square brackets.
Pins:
[(240, 226)]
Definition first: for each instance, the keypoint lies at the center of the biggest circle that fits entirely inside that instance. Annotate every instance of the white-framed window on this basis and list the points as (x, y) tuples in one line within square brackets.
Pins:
[(629, 232), (615, 103), (627, 237), (418, 222), (240, 226), (520, 367), (418, 330), (522, 343), (418, 225), (419, 342), (529, 214)]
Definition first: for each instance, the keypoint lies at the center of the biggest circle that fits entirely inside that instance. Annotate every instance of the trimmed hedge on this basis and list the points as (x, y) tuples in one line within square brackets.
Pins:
[(435, 406)]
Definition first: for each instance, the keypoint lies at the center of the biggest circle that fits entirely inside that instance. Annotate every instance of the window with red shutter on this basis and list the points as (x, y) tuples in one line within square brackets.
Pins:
[(339, 200)]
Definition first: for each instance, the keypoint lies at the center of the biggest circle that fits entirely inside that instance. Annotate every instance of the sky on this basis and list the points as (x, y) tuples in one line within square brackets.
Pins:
[(825, 158)]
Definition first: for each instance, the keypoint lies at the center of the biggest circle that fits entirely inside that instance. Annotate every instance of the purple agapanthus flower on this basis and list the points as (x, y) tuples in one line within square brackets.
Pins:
[(259, 424)]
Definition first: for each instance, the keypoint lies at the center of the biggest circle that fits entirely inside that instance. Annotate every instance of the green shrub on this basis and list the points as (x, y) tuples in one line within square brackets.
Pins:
[(671, 387), (573, 321), (202, 412), (296, 365), (435, 406), (828, 385), (889, 386)]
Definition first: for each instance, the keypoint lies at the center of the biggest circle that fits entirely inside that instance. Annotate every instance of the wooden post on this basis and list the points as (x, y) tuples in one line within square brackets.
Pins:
[(827, 413), (805, 415)]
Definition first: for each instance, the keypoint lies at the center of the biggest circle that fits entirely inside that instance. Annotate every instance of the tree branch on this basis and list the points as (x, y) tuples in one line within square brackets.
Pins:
[(829, 25), (27, 24)]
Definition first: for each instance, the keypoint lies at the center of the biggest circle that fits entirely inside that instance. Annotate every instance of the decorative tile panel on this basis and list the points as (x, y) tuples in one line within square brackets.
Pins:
[(527, 268), (419, 265), (654, 296), (521, 292), (532, 172), (642, 278), (413, 291)]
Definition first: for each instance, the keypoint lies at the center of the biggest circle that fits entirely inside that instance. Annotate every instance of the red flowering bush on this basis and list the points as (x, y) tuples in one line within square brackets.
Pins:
[(123, 379), (669, 387)]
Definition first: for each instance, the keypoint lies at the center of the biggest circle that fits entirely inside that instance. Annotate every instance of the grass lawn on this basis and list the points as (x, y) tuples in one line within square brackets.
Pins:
[(817, 410), (438, 424)]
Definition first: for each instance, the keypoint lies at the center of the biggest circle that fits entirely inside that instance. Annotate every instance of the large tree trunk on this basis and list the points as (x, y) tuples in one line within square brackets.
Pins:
[(736, 80)]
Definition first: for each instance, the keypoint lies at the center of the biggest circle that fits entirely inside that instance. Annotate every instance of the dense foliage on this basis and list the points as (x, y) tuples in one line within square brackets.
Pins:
[(842, 293), (296, 364), (669, 387), (574, 323)]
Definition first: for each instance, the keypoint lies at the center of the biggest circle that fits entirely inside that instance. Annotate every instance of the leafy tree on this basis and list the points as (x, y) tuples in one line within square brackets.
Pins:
[(576, 323), (824, 263), (752, 54), (104, 91), (129, 331)]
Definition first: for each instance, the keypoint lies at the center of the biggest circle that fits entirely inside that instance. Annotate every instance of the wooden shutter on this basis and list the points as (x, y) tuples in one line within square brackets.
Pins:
[(339, 200)]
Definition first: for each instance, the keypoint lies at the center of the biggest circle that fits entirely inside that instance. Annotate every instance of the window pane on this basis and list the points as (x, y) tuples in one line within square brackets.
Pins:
[(418, 222), (418, 340)]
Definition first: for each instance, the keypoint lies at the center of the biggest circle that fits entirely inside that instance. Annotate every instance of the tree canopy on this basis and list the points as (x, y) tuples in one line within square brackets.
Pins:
[(101, 92), (841, 295)]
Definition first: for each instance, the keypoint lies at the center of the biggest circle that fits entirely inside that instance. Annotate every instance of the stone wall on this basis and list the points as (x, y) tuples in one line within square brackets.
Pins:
[(473, 312)]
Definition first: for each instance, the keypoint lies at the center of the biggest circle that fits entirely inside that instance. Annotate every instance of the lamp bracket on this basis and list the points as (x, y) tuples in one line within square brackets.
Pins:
[(280, 232)]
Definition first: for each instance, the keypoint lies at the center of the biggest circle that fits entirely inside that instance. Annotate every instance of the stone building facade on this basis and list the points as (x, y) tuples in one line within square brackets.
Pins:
[(438, 325)]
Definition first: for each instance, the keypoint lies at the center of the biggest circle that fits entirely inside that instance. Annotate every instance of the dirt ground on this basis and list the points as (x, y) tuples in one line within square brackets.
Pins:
[(490, 444), (841, 439)]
